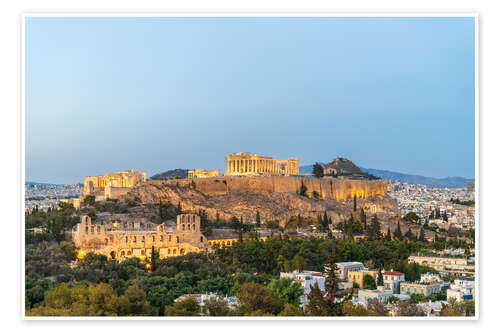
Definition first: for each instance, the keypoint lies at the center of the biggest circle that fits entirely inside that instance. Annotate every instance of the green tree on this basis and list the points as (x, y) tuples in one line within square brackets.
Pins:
[(362, 217), (290, 310), (216, 307), (286, 290), (317, 304), (380, 277), (89, 200), (318, 170), (303, 190), (374, 229), (187, 307), (257, 219), (409, 235), (332, 279), (369, 282), (398, 234), (421, 236), (411, 217), (155, 257), (388, 235), (255, 298), (354, 204)]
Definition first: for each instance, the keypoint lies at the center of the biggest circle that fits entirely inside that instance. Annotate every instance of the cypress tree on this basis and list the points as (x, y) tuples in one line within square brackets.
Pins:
[(350, 222), (380, 278), (398, 234), (362, 217), (421, 237), (240, 234), (324, 223), (257, 219), (332, 280), (317, 304), (318, 171), (354, 203), (374, 229), (388, 235), (409, 234)]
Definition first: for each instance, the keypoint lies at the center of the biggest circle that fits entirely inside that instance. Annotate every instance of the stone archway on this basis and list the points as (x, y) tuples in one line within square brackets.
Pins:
[(113, 254)]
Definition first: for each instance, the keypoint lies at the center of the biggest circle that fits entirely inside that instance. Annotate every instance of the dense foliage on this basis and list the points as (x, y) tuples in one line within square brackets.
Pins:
[(57, 284)]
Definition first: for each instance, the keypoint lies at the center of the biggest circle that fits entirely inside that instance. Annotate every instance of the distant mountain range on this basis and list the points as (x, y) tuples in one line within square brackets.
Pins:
[(47, 184), (450, 182)]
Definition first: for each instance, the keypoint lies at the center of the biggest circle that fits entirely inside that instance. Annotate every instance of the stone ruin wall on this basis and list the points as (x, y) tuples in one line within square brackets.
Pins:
[(336, 189)]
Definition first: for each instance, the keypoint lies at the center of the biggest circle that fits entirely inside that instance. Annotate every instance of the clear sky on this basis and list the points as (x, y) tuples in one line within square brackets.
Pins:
[(153, 94)]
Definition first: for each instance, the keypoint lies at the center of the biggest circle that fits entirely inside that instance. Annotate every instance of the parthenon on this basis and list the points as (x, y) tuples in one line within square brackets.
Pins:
[(241, 164)]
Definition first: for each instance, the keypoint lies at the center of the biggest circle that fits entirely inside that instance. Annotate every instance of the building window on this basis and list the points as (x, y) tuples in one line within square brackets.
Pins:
[(189, 226), (126, 239), (161, 238), (135, 239), (183, 227), (177, 239), (143, 239), (153, 239), (169, 238)]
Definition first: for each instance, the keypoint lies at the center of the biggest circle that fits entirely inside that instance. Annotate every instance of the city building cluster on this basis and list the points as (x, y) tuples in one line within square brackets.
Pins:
[(45, 196), (435, 206)]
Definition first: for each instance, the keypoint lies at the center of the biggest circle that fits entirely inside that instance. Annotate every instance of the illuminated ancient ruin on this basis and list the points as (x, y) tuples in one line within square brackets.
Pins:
[(112, 185), (199, 173), (121, 240), (242, 164)]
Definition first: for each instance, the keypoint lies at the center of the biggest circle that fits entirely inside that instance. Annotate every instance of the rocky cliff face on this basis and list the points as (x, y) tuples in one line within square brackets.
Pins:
[(275, 198), (327, 188)]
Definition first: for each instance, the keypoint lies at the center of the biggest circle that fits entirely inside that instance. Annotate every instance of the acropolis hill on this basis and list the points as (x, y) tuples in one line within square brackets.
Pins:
[(257, 183)]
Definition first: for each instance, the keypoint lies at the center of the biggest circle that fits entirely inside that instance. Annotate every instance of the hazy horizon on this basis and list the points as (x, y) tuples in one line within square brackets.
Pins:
[(154, 94)]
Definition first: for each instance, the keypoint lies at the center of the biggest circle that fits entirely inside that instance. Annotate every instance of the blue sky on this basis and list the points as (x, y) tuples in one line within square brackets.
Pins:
[(153, 94)]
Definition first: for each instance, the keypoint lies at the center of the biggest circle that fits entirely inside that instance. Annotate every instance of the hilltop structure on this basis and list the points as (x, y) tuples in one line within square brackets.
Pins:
[(199, 173), (120, 241), (243, 164), (111, 185)]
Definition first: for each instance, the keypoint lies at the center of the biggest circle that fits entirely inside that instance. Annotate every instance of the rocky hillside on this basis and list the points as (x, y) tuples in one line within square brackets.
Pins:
[(245, 202), (171, 174)]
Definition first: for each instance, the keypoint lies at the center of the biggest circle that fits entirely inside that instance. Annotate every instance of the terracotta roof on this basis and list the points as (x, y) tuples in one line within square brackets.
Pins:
[(392, 273)]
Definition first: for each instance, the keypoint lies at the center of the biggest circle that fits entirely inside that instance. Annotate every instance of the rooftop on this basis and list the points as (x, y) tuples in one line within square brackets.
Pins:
[(391, 272)]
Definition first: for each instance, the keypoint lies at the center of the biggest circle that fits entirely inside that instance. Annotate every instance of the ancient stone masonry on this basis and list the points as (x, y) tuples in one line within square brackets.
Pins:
[(119, 240), (112, 185), (242, 164), (336, 189), (198, 173)]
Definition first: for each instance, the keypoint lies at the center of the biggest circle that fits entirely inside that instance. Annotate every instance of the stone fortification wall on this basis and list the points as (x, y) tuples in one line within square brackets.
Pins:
[(336, 189)]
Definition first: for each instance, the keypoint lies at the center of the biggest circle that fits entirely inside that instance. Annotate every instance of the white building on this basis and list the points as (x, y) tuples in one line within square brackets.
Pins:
[(306, 279), (380, 294), (345, 267), (433, 278), (392, 279), (431, 309), (202, 299), (461, 289)]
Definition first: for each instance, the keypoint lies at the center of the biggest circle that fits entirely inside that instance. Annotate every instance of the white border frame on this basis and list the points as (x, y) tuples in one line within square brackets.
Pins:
[(22, 179)]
